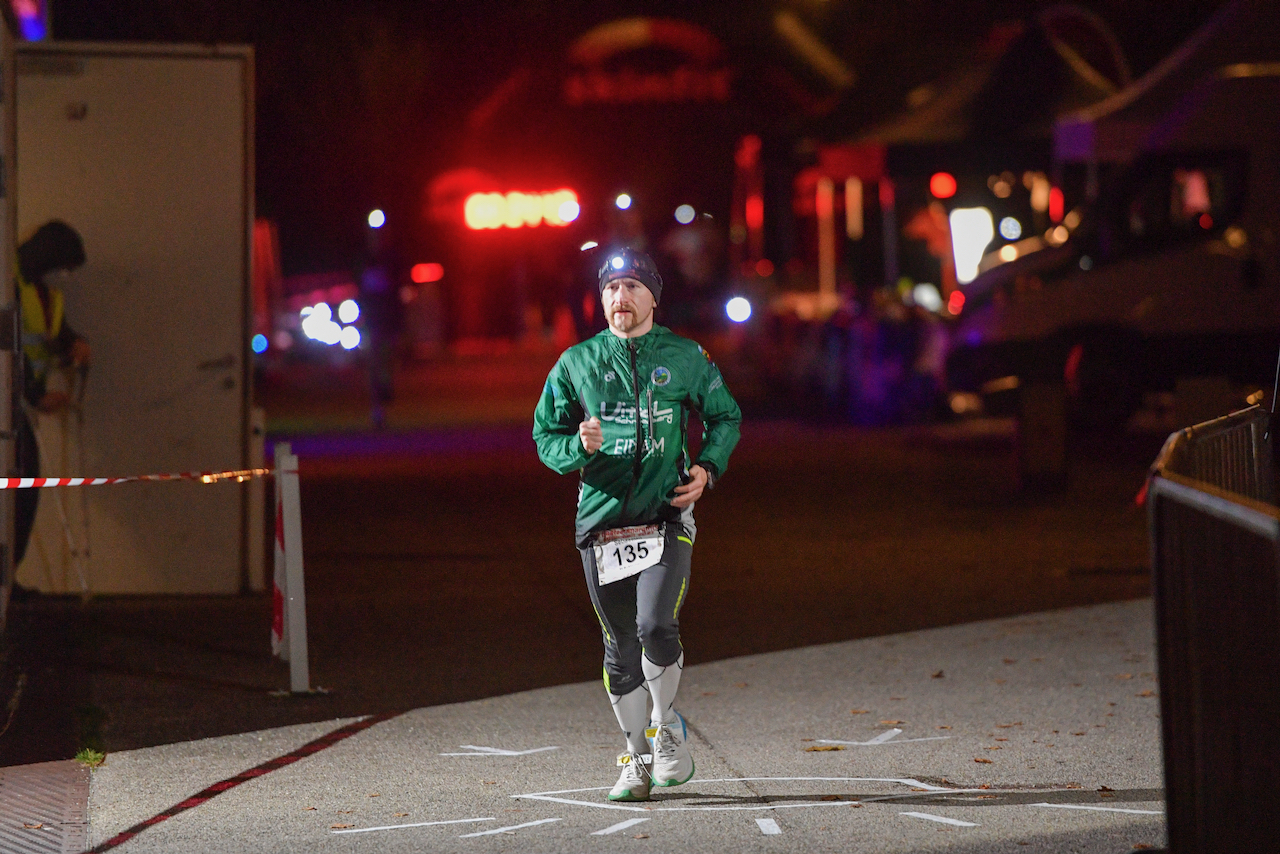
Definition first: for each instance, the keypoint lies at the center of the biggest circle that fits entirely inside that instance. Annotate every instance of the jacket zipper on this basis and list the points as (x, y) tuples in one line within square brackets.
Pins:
[(636, 466)]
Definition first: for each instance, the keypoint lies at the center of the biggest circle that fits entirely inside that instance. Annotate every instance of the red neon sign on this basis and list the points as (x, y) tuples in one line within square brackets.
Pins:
[(518, 210)]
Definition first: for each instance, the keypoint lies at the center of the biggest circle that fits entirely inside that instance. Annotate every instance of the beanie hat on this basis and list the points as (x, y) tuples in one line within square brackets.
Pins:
[(628, 263)]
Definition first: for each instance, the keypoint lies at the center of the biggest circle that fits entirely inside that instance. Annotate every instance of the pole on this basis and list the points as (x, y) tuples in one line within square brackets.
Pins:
[(289, 535)]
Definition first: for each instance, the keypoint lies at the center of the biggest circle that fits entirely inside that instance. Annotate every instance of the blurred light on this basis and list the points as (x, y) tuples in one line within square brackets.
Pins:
[(283, 339), (1086, 263), (1008, 252), (259, 343), (1072, 219), (1235, 237), (1039, 192), (377, 219), (926, 296), (349, 338), (623, 201), (31, 19), (1057, 235), (965, 401), (348, 311), (755, 211), (617, 262), (1010, 228), (568, 210), (685, 214), (738, 309), (1206, 221), (590, 244), (971, 230), (942, 185), (1001, 188), (955, 302), (764, 267), (517, 210), (424, 273), (306, 310), (408, 293), (1256, 398), (322, 310), (1056, 204)]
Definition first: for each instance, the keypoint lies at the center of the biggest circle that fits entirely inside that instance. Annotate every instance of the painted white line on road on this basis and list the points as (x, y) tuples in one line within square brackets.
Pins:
[(1098, 809), (417, 824), (508, 829), (918, 787), (622, 825), (768, 826), (941, 819), (476, 750)]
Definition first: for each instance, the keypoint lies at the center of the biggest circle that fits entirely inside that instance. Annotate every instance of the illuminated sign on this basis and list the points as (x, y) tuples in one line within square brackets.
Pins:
[(601, 78), (520, 210)]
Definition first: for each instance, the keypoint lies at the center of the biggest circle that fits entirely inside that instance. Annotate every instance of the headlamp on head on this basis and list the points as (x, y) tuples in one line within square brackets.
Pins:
[(628, 263)]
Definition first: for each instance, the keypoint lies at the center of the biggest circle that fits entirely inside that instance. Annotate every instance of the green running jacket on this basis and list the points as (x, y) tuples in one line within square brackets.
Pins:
[(661, 377)]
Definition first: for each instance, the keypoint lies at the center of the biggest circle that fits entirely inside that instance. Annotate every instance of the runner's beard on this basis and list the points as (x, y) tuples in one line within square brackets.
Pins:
[(625, 322)]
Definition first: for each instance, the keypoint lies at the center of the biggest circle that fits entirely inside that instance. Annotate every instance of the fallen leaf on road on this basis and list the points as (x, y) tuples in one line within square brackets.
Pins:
[(345, 812), (308, 809), (830, 798), (988, 797), (806, 739), (1002, 739), (943, 727), (819, 748), (983, 761), (859, 711), (1124, 676), (340, 826), (891, 723), (1006, 726), (1147, 693), (1074, 786), (708, 693), (997, 747), (1011, 661), (984, 786), (490, 782), (855, 805), (1105, 789), (736, 685), (33, 826), (375, 795), (1142, 847), (641, 836), (401, 814), (1077, 733), (999, 681), (938, 675)]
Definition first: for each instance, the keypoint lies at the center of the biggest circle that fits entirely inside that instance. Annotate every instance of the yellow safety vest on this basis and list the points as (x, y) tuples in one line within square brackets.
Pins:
[(39, 330)]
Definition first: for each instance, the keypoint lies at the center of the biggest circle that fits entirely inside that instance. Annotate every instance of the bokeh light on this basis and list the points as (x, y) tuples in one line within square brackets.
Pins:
[(685, 214), (738, 309)]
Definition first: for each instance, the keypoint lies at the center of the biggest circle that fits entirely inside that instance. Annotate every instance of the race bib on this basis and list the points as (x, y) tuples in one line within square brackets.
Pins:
[(624, 552)]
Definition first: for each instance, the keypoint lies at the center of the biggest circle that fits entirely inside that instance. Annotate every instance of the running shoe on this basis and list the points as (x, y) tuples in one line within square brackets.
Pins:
[(633, 784), (672, 761)]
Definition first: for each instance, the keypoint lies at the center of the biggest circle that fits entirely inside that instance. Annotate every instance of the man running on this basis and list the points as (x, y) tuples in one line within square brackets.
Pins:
[(616, 410)]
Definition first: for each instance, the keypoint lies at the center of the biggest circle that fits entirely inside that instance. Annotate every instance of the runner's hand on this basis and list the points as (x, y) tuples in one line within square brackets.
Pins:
[(690, 492), (591, 435)]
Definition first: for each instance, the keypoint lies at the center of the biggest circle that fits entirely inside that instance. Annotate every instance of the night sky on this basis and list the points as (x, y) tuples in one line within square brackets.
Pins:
[(360, 103)]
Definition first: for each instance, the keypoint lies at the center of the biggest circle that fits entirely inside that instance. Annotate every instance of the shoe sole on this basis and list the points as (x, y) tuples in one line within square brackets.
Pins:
[(627, 797), (692, 768)]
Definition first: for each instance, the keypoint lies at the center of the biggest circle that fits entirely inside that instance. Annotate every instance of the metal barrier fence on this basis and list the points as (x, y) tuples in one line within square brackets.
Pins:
[(1215, 558)]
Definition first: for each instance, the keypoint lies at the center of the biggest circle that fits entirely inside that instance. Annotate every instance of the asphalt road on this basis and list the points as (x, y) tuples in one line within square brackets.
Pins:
[(440, 568)]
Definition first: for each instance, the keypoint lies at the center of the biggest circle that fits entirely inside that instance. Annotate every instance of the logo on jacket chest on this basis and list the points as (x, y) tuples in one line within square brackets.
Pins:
[(660, 376), (623, 413)]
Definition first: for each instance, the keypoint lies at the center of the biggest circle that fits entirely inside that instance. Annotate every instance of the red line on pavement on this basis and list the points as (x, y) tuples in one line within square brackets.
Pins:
[(210, 792)]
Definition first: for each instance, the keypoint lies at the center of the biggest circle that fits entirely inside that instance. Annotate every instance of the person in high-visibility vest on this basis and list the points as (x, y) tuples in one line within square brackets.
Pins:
[(45, 260)]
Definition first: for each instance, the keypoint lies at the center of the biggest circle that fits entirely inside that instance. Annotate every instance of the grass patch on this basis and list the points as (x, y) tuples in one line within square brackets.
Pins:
[(90, 758)]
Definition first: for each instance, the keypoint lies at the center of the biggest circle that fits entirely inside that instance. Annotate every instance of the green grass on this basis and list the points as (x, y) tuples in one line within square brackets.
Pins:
[(90, 758)]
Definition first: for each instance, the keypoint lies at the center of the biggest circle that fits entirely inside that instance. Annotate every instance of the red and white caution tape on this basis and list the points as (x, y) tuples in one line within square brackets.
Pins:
[(239, 476)]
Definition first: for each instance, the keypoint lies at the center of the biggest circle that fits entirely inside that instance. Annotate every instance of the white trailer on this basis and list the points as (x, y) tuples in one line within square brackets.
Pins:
[(147, 150)]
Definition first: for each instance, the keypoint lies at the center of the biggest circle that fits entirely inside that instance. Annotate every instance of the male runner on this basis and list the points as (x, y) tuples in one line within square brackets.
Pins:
[(616, 409)]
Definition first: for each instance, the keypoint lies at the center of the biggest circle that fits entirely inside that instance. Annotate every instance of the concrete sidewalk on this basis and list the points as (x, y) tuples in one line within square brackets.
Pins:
[(1037, 733)]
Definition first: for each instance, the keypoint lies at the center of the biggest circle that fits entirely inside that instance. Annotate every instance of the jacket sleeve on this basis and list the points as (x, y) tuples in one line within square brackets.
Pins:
[(555, 423), (721, 417)]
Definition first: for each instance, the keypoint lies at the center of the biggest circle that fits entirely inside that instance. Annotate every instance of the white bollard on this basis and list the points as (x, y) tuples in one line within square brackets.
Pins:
[(289, 624)]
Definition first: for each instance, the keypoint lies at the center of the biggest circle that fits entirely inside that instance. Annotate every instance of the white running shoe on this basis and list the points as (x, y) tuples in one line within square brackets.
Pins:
[(633, 784), (672, 761)]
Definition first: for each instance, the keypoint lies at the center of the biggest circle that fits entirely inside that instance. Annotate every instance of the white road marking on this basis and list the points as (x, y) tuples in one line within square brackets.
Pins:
[(418, 824), (918, 787), (768, 826), (940, 819), (622, 825), (1099, 809), (506, 829), (476, 750), (887, 737)]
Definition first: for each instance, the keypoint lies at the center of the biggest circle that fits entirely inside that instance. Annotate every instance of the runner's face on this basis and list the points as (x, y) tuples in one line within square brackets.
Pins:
[(628, 306)]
